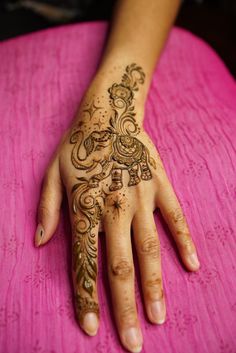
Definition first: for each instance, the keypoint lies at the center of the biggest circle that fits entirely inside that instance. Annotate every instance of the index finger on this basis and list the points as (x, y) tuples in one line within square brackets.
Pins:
[(85, 218)]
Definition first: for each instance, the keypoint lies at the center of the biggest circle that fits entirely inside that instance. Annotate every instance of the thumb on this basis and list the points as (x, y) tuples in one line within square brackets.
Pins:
[(49, 204)]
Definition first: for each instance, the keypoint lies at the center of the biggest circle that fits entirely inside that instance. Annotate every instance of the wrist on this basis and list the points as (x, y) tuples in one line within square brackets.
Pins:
[(121, 84)]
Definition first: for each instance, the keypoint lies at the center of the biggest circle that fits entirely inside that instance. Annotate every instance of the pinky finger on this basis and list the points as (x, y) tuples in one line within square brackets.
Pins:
[(174, 216)]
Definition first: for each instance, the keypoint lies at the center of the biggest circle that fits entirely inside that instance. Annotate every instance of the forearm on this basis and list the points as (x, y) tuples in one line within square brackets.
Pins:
[(138, 33)]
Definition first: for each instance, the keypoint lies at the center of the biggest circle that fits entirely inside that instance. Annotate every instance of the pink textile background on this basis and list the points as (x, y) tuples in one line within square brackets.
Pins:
[(191, 117)]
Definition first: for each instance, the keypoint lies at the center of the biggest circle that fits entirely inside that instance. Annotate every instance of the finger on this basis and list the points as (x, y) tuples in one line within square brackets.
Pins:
[(173, 214), (148, 249), (85, 214), (49, 204), (121, 278)]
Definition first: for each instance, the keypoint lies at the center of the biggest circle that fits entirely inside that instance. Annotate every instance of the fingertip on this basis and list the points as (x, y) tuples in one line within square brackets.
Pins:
[(39, 234), (157, 311), (90, 324), (193, 262)]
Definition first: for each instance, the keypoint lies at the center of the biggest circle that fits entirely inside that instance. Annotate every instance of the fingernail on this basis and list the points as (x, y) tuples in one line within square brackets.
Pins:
[(133, 339), (90, 324), (158, 311), (39, 234), (193, 259)]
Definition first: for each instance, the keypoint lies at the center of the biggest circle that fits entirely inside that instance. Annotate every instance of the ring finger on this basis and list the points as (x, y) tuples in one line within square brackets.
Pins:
[(121, 277)]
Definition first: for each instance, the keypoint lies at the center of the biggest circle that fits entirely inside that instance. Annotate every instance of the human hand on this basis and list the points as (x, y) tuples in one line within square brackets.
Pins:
[(113, 175)]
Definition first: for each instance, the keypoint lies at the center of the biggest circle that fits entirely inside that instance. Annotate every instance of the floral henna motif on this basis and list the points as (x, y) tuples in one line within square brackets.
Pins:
[(122, 151)]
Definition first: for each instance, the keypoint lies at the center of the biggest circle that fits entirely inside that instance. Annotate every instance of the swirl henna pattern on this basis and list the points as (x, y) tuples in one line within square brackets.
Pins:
[(122, 151)]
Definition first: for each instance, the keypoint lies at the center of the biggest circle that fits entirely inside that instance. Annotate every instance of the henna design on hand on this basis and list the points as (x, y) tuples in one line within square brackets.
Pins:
[(122, 151), (92, 109), (117, 203), (84, 250)]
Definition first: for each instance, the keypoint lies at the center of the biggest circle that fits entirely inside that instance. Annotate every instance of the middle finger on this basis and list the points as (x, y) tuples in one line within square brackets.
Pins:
[(147, 245)]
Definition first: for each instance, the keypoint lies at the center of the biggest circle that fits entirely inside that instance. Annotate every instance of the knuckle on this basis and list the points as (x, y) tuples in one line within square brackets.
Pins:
[(177, 216), (155, 294), (151, 246), (154, 288), (128, 315), (160, 176), (122, 268), (154, 283), (140, 190), (185, 242), (43, 211), (52, 180)]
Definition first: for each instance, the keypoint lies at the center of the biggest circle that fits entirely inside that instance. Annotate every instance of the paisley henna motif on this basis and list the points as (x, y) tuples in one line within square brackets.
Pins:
[(84, 254), (122, 150)]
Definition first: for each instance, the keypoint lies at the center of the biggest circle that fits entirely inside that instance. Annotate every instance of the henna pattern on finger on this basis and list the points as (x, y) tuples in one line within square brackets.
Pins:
[(84, 306), (89, 209), (107, 154)]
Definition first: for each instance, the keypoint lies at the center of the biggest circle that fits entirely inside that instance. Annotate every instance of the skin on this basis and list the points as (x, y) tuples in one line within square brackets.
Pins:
[(120, 204)]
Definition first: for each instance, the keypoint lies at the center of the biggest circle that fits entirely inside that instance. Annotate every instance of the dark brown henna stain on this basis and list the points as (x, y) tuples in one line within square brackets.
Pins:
[(89, 210), (117, 203), (122, 151)]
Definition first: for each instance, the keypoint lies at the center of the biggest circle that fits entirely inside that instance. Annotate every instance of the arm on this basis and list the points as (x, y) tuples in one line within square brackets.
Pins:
[(138, 33), (114, 176)]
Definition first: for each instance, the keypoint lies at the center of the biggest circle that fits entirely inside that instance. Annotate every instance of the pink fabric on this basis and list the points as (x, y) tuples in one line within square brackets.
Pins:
[(190, 116)]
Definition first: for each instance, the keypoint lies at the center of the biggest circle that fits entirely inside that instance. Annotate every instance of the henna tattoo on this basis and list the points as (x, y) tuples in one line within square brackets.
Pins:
[(99, 124), (92, 109), (85, 305), (117, 204), (122, 151), (84, 249)]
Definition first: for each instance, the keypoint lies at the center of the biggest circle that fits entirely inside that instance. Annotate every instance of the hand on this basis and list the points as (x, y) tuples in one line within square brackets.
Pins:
[(114, 176)]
